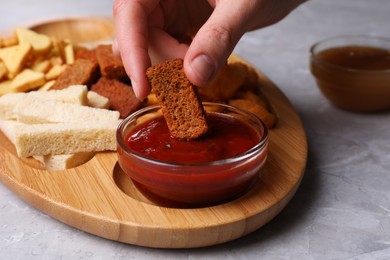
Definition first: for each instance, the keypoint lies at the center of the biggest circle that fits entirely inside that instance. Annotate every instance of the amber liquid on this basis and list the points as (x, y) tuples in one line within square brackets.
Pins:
[(355, 78), (357, 57)]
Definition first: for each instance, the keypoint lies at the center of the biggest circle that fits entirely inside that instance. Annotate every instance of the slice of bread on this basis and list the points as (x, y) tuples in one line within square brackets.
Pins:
[(97, 100), (76, 94), (8, 127), (64, 161), (33, 110), (64, 138), (181, 106), (50, 162)]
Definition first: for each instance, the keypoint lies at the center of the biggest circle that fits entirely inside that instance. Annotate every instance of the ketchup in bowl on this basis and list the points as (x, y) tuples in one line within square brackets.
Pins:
[(219, 166), (227, 137)]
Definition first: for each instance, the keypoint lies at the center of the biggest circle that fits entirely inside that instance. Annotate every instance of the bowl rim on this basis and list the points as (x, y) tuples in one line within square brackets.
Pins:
[(262, 144), (368, 37)]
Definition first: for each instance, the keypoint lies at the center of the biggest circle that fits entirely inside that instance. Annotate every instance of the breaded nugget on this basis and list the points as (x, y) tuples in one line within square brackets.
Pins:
[(181, 106), (256, 108), (226, 84), (120, 95)]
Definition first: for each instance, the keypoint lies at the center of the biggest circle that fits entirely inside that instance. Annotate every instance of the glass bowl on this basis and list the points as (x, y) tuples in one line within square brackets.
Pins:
[(193, 184), (353, 72)]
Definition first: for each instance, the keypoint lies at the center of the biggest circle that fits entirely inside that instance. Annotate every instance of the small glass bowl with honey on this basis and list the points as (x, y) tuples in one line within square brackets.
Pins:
[(353, 72)]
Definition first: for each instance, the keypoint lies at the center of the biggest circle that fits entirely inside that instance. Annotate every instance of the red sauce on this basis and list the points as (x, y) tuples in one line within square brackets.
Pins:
[(227, 137)]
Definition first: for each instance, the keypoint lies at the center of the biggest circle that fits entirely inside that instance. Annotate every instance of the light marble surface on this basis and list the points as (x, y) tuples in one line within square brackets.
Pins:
[(342, 208)]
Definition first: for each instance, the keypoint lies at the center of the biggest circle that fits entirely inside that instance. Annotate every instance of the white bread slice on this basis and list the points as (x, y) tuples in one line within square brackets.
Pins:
[(36, 111), (64, 138), (7, 104), (8, 127), (76, 94), (96, 100), (64, 161), (50, 162)]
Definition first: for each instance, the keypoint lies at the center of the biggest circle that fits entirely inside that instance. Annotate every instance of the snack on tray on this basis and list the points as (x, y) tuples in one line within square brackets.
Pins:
[(181, 106), (27, 80), (86, 54), (40, 43), (62, 145), (33, 110), (110, 66), (120, 95), (35, 53), (97, 100), (226, 83), (237, 85), (256, 108), (63, 138), (81, 72), (64, 161), (14, 58), (76, 94)]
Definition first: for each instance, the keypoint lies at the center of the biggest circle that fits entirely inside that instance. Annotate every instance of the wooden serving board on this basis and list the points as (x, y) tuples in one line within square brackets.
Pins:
[(99, 198)]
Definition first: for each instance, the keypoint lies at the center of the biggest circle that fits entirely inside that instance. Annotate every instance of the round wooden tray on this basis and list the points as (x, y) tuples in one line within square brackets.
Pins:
[(98, 198)]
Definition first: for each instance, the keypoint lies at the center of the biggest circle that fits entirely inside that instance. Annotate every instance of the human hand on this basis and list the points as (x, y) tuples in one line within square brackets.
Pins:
[(202, 33)]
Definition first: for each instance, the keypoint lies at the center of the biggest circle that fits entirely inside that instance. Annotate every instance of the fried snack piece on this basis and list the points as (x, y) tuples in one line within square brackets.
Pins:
[(55, 72), (14, 58), (181, 106), (121, 96), (226, 84), (40, 43), (5, 87), (27, 80), (10, 41), (110, 66), (3, 70), (81, 72), (86, 54), (250, 102)]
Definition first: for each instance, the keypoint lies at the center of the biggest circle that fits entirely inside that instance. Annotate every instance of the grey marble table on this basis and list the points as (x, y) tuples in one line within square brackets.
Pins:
[(342, 208)]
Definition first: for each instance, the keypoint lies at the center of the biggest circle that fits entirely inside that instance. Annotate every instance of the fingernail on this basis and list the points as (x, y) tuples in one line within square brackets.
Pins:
[(204, 67), (136, 89)]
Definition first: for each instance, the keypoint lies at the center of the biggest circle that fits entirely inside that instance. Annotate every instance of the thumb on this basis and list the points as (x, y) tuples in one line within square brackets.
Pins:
[(215, 41)]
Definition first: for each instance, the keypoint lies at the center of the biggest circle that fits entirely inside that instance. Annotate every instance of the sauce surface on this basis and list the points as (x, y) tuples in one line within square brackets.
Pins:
[(227, 137), (357, 57)]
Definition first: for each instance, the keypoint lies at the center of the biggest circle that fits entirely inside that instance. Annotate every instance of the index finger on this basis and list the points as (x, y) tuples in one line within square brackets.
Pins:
[(131, 25)]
